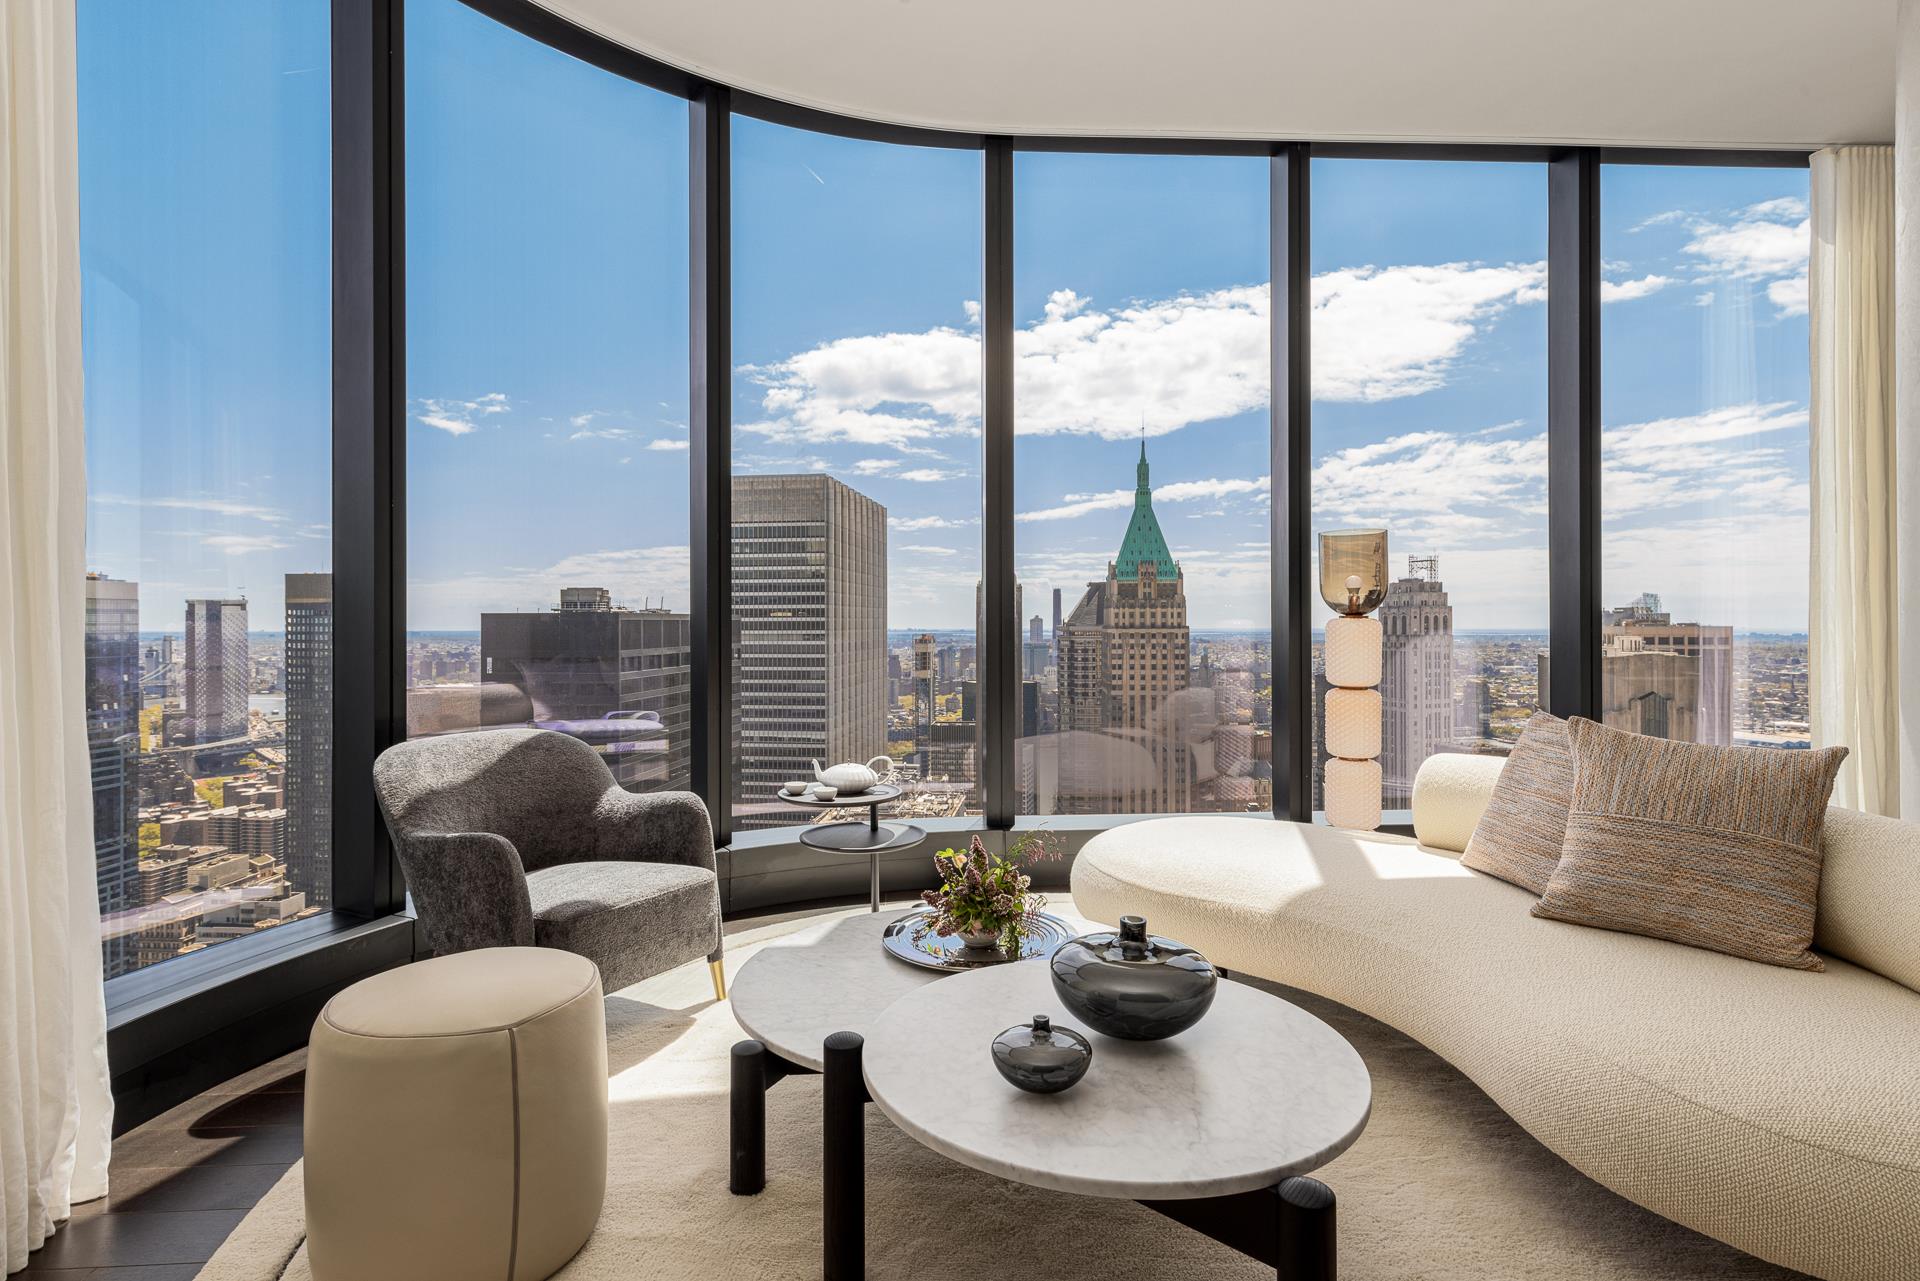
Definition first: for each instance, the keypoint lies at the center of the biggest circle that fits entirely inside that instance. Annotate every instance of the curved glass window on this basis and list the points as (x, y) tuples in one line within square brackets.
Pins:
[(1704, 499), (856, 466), (1142, 489), (1430, 420), (204, 140), (547, 350)]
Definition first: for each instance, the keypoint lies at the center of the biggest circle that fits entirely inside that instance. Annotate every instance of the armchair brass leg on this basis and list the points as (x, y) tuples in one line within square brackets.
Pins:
[(719, 969)]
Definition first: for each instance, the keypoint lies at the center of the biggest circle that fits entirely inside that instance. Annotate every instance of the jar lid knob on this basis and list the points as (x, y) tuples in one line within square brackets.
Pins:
[(1042, 1025), (1133, 929)]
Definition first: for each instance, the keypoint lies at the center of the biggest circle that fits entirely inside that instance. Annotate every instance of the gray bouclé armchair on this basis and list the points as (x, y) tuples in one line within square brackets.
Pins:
[(521, 837)]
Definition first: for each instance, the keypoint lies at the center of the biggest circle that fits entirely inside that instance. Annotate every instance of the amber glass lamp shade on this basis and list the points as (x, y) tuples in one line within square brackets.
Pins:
[(1353, 570)]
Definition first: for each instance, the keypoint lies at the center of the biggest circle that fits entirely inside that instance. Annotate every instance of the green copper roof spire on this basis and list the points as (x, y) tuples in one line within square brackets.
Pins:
[(1144, 541)]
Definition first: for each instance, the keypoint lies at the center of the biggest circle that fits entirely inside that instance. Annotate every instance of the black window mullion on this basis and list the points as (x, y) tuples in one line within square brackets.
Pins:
[(710, 456), (369, 445), (1291, 564), (1000, 646), (1573, 432)]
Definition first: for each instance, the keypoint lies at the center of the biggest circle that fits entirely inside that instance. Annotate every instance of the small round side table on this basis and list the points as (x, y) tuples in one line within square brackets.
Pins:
[(873, 838)]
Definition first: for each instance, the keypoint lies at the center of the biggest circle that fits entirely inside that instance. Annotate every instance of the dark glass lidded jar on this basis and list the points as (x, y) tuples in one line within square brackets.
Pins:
[(1133, 985), (1041, 1058)]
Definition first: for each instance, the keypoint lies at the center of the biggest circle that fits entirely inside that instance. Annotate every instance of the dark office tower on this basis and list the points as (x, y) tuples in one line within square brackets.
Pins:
[(309, 779), (620, 680), (113, 740), (810, 597), (217, 669), (1055, 635), (923, 700), (1034, 635)]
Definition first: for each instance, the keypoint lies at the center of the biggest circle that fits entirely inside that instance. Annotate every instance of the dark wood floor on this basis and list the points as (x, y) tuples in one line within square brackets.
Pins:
[(181, 1182)]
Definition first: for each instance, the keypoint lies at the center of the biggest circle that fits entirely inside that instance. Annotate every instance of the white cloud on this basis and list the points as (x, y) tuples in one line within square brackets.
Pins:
[(667, 445), (1076, 505), (1738, 466), (1383, 333), (456, 417), (241, 544), (1768, 241), (1155, 365), (1628, 290), (878, 389), (1670, 215), (209, 506), (910, 524), (874, 466), (928, 475), (928, 550), (633, 575), (1789, 295), (603, 433)]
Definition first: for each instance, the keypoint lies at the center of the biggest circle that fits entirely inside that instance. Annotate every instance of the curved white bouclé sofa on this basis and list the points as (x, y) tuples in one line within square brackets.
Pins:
[(1777, 1110)]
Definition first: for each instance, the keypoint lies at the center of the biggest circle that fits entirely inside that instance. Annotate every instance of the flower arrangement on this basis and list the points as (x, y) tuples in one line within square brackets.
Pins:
[(987, 898)]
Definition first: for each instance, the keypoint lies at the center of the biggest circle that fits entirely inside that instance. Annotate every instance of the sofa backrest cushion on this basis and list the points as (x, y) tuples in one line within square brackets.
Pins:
[(1870, 894), (1519, 837), (1450, 793), (1714, 847)]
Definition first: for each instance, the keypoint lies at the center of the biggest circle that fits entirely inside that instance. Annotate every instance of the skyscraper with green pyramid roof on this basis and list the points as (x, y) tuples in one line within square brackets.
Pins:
[(1122, 666)]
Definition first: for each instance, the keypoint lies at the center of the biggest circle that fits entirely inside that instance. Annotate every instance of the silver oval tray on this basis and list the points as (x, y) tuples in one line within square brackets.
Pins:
[(905, 940)]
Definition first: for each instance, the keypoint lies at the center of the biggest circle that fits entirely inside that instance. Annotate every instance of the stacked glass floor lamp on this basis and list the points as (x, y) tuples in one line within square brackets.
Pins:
[(1353, 582)]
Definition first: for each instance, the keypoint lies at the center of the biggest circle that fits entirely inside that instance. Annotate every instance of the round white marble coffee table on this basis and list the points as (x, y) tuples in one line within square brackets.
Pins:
[(1210, 1127), (796, 992), (831, 977)]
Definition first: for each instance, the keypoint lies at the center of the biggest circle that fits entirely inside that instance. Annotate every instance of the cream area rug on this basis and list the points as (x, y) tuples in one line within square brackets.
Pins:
[(1441, 1187)]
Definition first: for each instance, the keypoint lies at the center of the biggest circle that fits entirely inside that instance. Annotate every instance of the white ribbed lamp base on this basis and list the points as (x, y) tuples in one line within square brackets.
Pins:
[(1353, 723), (1353, 793)]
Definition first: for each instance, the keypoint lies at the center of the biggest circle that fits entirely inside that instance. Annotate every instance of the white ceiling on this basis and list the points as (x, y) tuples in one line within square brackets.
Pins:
[(1732, 73)]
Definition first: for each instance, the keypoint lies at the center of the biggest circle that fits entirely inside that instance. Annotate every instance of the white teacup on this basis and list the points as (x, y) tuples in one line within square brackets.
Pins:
[(795, 787), (823, 792)]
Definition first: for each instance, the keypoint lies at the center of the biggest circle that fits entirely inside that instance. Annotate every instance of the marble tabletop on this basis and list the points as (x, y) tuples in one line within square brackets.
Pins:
[(1256, 1091), (833, 977)]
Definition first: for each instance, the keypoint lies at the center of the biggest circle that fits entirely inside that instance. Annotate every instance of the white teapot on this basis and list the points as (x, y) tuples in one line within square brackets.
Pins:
[(850, 778)]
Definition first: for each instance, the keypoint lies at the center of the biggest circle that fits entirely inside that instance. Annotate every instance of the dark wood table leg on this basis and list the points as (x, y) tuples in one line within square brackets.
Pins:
[(747, 1126), (1289, 1226), (843, 1199), (1309, 1241)]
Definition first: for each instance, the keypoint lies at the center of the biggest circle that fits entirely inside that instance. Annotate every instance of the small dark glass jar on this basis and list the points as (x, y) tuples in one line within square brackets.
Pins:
[(1133, 985), (1041, 1058)]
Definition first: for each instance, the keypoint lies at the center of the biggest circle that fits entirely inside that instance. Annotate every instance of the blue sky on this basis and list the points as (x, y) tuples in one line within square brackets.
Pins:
[(547, 307), (205, 274)]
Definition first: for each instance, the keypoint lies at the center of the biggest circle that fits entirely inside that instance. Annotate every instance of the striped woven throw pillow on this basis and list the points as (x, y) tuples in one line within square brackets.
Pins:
[(1715, 847), (1519, 836)]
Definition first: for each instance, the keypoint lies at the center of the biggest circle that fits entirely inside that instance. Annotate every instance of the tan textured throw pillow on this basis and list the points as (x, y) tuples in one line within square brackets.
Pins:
[(1518, 839), (1715, 847)]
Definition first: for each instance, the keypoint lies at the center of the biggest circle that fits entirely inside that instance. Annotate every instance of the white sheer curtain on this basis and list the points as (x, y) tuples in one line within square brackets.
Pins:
[(55, 1108), (1853, 638)]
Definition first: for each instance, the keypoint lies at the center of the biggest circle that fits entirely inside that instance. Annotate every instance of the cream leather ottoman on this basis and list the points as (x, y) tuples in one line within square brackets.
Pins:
[(456, 1122)]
